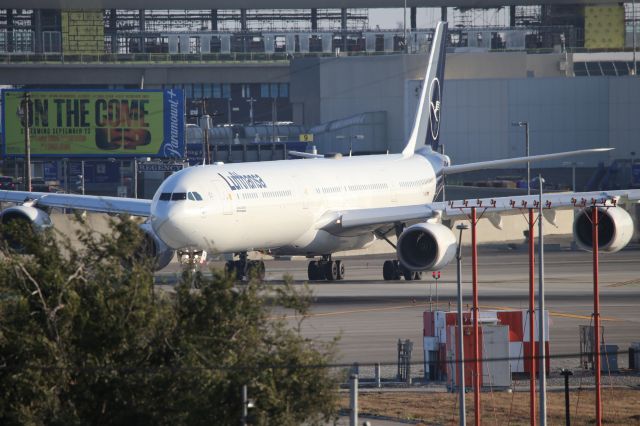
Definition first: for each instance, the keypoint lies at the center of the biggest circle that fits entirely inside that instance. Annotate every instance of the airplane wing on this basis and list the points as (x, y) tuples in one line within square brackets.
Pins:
[(461, 168), (457, 209), (132, 206), (353, 222)]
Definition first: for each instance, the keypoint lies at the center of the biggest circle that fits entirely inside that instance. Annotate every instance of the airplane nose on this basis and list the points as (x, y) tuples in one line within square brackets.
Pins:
[(167, 224)]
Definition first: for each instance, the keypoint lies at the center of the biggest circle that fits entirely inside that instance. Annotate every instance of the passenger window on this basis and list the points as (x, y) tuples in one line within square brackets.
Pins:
[(165, 196), (178, 196)]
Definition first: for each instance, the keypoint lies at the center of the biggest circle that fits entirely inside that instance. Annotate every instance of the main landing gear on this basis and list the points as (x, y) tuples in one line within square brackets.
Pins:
[(392, 270), (245, 268), (326, 269)]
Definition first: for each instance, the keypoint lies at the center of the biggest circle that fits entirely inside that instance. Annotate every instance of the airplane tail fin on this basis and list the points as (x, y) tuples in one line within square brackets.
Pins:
[(426, 127)]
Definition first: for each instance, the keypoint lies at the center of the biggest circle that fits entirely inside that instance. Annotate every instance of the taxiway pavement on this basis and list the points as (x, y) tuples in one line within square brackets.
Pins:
[(371, 315)]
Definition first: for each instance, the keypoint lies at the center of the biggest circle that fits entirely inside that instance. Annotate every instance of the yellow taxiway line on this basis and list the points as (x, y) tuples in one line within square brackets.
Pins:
[(417, 305)]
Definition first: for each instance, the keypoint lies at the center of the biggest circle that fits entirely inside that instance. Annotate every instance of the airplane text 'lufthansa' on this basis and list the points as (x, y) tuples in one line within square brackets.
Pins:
[(237, 181)]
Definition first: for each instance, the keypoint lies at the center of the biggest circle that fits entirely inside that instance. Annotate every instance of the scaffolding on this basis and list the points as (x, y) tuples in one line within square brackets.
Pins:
[(479, 17), (234, 20)]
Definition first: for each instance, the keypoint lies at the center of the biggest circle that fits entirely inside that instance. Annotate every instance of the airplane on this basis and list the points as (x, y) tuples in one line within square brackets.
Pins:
[(320, 205)]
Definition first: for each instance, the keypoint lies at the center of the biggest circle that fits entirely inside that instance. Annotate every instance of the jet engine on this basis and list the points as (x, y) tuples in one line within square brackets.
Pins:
[(154, 248), (615, 229), (426, 247), (25, 216)]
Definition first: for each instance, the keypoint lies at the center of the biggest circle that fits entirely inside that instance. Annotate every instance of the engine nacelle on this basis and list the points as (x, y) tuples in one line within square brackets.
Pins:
[(36, 218), (154, 248), (615, 229), (426, 247)]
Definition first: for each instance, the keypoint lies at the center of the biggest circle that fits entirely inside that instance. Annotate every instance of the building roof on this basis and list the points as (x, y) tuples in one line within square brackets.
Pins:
[(271, 4)]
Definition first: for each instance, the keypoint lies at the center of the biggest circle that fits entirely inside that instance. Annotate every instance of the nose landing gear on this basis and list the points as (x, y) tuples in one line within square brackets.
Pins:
[(192, 258)]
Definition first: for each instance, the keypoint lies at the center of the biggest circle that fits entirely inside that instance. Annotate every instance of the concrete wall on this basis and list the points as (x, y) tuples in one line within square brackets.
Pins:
[(563, 113), (154, 75), (326, 89), (304, 91), (274, 4), (347, 86)]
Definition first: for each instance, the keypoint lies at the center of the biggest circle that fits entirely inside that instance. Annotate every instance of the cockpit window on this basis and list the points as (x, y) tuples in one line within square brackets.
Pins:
[(178, 196), (194, 196), (165, 196)]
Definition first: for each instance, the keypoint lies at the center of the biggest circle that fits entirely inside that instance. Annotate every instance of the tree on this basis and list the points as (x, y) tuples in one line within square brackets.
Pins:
[(85, 338)]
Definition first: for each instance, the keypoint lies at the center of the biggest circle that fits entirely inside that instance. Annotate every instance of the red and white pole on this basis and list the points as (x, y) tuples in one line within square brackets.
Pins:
[(532, 349), (596, 313), (476, 311)]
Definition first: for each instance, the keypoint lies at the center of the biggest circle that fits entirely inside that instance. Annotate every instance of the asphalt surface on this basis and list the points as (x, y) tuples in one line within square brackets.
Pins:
[(371, 314)]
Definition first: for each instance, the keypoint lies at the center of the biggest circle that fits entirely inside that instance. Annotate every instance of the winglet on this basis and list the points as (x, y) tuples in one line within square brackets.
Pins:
[(426, 127)]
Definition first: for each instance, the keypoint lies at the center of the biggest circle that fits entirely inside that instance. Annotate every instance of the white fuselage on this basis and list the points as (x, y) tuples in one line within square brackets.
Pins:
[(280, 205)]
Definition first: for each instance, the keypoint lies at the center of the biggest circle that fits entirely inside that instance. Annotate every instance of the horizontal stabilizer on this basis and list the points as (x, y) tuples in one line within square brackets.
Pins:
[(301, 154), (449, 170)]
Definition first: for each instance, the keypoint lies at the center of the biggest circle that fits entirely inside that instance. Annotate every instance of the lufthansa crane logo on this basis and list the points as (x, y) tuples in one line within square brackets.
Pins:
[(434, 108)]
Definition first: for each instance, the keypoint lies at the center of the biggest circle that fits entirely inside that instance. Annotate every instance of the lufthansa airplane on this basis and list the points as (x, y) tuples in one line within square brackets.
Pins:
[(318, 206)]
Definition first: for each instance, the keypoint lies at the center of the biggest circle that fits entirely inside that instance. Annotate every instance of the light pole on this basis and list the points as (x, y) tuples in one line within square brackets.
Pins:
[(404, 27), (633, 16), (229, 110), (525, 124), (24, 115), (65, 174), (135, 178), (82, 180), (274, 118), (573, 165), (460, 342), (351, 138), (251, 101), (436, 276), (541, 319)]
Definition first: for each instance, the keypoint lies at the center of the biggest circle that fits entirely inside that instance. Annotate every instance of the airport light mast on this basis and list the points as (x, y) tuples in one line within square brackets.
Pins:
[(525, 124), (460, 343), (541, 319)]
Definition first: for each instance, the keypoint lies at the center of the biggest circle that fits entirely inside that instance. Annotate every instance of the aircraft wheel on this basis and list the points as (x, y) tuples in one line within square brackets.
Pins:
[(341, 269), (229, 268), (388, 270), (398, 270), (417, 275), (408, 275), (331, 270), (257, 269), (313, 271)]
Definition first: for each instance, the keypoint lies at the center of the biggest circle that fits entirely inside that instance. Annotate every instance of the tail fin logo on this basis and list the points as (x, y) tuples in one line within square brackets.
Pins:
[(434, 108)]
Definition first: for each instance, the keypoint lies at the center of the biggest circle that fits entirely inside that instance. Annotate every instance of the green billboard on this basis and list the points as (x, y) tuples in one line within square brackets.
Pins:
[(92, 123)]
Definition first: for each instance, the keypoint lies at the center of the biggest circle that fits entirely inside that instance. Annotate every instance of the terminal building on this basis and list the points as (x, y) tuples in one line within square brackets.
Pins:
[(268, 77)]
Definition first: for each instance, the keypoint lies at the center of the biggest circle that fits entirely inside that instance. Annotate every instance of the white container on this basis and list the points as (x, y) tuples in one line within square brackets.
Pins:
[(525, 321), (496, 370)]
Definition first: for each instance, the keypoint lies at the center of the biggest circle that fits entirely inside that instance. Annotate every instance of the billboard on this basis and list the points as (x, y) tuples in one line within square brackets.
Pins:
[(91, 123)]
